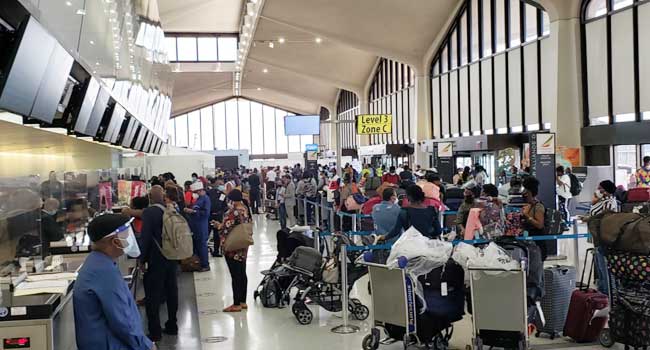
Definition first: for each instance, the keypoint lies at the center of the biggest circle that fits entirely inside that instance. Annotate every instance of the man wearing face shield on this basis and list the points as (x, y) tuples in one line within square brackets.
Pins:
[(198, 217), (105, 313)]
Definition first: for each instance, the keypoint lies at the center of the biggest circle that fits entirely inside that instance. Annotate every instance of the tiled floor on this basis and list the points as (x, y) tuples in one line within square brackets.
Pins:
[(261, 328)]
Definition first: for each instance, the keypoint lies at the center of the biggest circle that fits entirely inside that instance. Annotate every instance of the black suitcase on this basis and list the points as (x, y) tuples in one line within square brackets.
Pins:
[(559, 284)]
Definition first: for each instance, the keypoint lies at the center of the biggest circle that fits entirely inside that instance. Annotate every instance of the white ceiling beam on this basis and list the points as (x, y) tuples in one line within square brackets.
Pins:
[(189, 7), (271, 103), (357, 44), (339, 84)]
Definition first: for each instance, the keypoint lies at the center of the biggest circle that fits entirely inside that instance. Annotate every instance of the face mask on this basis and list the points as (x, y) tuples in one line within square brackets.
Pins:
[(51, 212), (195, 195), (599, 194), (221, 188), (129, 245), (194, 178)]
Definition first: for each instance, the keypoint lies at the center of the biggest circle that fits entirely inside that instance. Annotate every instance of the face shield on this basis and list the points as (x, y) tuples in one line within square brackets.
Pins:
[(127, 239)]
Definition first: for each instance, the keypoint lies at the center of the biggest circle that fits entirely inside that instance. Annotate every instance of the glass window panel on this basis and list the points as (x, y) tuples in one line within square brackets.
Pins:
[(645, 152), (622, 118), (207, 48), (645, 115), (475, 32), (294, 143), (531, 23), (244, 124), (280, 137), (207, 129), (186, 49), (546, 24), (171, 129), (219, 111), (232, 124), (443, 60), (596, 8), (181, 130), (626, 162), (619, 4), (500, 19), (194, 127), (487, 28), (258, 135), (515, 25), (604, 120), (453, 47), (227, 48), (171, 48), (463, 39), (269, 129)]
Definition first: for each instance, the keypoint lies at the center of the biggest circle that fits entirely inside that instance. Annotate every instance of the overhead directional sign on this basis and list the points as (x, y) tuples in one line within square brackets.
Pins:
[(374, 124)]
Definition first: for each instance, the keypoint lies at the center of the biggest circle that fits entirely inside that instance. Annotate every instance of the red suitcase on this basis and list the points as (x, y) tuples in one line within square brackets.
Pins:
[(641, 194), (580, 324)]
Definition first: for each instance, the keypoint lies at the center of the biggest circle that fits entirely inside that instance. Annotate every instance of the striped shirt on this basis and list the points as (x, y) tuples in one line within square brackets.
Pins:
[(608, 203)]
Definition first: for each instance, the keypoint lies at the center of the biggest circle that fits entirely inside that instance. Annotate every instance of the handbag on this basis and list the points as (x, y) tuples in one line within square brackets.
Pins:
[(331, 271), (240, 237)]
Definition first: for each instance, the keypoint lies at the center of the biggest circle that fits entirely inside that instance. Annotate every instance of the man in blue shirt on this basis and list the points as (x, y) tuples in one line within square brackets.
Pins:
[(199, 220), (106, 316), (384, 214)]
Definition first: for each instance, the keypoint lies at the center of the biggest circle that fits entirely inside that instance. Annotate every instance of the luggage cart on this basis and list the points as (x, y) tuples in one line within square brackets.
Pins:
[(500, 312), (393, 302)]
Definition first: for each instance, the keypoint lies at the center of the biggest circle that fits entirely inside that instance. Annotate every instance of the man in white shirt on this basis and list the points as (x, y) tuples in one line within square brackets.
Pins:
[(563, 187), (271, 175)]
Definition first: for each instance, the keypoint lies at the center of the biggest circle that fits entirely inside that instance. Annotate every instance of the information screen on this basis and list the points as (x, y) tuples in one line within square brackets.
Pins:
[(301, 125)]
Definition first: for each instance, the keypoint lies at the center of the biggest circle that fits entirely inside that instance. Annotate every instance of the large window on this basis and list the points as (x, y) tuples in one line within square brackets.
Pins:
[(488, 75), (393, 92), (616, 59), (201, 47), (626, 161), (235, 124)]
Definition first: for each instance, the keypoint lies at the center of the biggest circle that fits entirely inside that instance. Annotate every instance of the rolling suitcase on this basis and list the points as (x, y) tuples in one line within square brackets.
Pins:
[(580, 323), (640, 194), (559, 283)]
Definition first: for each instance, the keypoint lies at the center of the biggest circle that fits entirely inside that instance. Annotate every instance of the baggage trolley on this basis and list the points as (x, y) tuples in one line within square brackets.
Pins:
[(393, 302), (500, 312)]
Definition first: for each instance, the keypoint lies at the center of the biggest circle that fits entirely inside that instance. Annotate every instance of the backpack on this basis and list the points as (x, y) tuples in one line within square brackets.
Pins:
[(552, 222), (576, 185), (176, 235)]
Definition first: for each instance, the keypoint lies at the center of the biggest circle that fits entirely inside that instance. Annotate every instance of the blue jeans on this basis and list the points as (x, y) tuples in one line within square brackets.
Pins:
[(200, 242), (282, 215), (600, 264)]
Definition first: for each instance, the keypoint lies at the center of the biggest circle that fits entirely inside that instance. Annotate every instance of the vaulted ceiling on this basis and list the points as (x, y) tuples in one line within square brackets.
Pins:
[(302, 74)]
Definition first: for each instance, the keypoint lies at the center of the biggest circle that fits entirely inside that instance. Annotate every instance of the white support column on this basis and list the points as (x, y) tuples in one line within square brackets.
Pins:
[(421, 126), (363, 140)]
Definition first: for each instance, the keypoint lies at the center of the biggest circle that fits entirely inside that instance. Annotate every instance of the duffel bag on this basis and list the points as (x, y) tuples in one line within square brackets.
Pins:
[(627, 232), (641, 194)]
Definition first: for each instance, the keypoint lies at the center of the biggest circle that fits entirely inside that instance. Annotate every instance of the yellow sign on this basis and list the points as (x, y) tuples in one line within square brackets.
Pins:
[(373, 124)]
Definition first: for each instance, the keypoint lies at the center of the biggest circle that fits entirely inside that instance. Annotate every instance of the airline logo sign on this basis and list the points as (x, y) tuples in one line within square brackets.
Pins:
[(545, 143), (445, 149), (374, 124)]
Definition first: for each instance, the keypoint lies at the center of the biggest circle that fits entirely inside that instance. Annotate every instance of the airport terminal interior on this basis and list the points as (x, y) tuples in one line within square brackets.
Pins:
[(324, 174)]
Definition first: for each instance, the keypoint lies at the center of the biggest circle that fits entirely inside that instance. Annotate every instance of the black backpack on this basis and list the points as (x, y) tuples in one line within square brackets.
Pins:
[(576, 186)]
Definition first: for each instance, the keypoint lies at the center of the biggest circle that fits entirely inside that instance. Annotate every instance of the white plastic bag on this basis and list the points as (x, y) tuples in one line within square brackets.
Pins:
[(494, 257), (412, 244)]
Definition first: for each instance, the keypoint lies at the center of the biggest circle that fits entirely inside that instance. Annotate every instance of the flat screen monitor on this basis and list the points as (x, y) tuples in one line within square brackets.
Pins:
[(301, 125), (53, 85), (130, 130), (87, 106), (116, 123), (97, 114), (26, 68)]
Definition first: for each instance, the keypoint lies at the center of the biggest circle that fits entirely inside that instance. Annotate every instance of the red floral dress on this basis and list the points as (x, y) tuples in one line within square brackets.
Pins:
[(232, 218)]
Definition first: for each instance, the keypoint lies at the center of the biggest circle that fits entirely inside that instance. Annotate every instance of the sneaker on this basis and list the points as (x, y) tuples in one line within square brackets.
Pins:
[(170, 331), (205, 269)]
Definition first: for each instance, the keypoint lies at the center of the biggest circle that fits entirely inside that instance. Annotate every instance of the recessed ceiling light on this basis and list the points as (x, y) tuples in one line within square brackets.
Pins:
[(271, 45), (259, 89), (68, 3), (281, 40), (81, 12), (318, 40), (92, 42), (265, 70)]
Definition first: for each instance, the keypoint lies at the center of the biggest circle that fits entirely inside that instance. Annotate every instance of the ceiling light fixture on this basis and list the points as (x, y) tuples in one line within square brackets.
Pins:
[(259, 89), (318, 40), (271, 45), (281, 40), (265, 70), (68, 3)]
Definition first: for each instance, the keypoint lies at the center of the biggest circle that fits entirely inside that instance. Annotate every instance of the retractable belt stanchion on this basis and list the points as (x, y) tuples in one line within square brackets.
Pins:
[(305, 211), (317, 209), (345, 328), (576, 247)]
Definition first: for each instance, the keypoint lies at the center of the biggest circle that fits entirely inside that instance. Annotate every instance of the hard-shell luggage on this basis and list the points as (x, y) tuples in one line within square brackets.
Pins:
[(585, 302), (444, 292), (559, 284), (641, 194), (307, 258)]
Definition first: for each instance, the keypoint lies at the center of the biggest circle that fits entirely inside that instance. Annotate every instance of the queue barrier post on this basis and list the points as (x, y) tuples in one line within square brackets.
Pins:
[(576, 246), (344, 328)]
